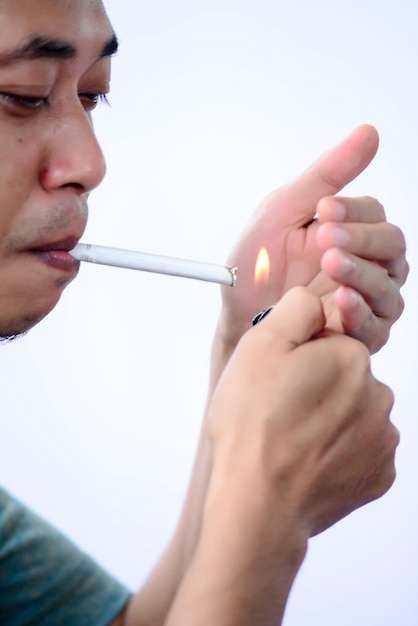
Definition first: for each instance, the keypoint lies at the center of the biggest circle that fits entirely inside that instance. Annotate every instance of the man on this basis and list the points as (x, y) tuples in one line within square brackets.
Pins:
[(296, 433)]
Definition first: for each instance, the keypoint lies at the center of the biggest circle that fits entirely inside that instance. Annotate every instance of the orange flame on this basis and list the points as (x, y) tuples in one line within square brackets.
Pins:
[(262, 267)]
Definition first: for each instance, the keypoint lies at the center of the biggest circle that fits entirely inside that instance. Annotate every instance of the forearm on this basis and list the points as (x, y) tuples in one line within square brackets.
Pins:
[(240, 572), (150, 605), (244, 564)]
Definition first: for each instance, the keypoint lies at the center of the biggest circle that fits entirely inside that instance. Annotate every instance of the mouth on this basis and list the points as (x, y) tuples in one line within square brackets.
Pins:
[(57, 254)]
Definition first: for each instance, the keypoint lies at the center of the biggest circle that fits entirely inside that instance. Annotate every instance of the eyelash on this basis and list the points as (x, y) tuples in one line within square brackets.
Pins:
[(95, 99), (34, 104)]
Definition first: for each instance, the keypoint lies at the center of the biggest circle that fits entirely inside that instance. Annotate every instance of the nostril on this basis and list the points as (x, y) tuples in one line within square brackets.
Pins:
[(77, 186)]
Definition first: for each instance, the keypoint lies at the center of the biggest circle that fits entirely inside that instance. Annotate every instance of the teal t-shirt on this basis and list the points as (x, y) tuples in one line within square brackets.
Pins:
[(45, 580)]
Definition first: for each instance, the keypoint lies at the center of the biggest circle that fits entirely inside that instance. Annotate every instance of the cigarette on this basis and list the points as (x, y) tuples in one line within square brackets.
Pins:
[(155, 263)]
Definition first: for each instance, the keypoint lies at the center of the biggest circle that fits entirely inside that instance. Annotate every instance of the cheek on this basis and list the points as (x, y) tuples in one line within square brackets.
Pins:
[(20, 143), (18, 179)]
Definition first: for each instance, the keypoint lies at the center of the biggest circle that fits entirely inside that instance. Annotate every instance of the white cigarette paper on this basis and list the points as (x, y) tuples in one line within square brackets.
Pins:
[(155, 263)]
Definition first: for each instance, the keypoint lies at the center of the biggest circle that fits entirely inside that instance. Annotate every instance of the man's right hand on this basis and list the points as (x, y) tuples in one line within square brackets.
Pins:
[(298, 416), (301, 437)]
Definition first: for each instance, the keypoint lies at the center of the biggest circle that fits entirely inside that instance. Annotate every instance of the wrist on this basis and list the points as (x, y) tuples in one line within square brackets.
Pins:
[(257, 539), (250, 548), (240, 496), (226, 338)]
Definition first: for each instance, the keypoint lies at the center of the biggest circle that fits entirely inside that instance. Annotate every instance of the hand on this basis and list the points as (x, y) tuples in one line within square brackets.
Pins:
[(298, 415), (355, 447), (349, 256), (366, 259), (300, 435)]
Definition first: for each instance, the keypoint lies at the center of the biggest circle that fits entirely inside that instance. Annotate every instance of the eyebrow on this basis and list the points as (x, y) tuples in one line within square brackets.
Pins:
[(47, 48)]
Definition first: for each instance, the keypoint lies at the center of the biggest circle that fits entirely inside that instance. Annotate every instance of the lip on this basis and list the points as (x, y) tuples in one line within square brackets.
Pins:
[(57, 254)]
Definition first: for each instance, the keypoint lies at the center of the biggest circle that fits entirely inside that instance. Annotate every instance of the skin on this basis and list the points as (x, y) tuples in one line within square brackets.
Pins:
[(350, 243), (291, 458), (50, 157), (365, 304), (294, 416)]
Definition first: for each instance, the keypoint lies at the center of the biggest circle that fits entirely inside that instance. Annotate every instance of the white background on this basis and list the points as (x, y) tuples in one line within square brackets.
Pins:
[(214, 104)]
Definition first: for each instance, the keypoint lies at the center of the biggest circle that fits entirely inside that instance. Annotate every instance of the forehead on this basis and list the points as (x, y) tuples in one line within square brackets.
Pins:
[(80, 22)]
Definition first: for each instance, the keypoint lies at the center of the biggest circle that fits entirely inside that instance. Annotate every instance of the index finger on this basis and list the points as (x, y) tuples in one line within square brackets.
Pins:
[(295, 319)]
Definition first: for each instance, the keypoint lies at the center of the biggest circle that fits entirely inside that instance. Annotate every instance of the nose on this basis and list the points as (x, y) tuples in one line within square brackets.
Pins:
[(73, 156)]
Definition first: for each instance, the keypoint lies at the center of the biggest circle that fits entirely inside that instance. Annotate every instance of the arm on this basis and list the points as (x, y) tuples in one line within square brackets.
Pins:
[(301, 438), (363, 302)]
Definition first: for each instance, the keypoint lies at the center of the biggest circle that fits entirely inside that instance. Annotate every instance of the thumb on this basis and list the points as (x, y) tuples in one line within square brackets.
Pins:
[(295, 203), (296, 319)]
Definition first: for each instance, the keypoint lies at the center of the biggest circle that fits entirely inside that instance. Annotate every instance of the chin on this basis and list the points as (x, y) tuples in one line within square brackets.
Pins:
[(18, 327), (18, 322)]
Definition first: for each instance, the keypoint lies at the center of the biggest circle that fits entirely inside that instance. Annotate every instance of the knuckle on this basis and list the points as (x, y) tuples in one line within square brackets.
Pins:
[(386, 479), (399, 307), (385, 398), (388, 396), (382, 283), (399, 241), (405, 272), (376, 203), (355, 355), (382, 338), (384, 473), (395, 436), (401, 270)]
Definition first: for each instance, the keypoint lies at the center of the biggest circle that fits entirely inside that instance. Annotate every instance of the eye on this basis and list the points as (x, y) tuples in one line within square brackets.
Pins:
[(23, 104), (91, 100)]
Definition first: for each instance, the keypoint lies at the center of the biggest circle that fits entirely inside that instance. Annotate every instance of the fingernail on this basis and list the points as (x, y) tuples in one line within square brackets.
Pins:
[(339, 211), (261, 315), (347, 264), (340, 237)]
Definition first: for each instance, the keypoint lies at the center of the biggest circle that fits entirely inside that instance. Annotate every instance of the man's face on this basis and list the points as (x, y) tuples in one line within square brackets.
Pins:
[(54, 65)]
